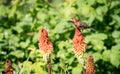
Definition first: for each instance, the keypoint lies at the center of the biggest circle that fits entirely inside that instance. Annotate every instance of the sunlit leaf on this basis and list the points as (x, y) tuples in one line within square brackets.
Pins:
[(106, 55), (77, 70), (17, 53), (114, 57)]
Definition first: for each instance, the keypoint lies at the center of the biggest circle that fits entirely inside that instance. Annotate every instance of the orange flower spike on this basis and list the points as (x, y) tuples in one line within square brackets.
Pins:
[(8, 67), (79, 45), (90, 68), (44, 44)]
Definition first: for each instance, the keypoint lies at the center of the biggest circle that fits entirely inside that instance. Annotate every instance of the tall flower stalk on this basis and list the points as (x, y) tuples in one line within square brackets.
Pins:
[(90, 68), (46, 47), (79, 46), (79, 43)]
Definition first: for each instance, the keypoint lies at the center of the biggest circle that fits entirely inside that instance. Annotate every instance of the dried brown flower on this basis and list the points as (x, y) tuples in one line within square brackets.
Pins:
[(90, 68), (8, 67)]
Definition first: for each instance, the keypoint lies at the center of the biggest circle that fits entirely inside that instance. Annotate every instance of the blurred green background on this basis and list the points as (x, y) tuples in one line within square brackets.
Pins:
[(21, 20)]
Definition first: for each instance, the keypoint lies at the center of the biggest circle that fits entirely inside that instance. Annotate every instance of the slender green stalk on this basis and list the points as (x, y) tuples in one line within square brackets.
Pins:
[(21, 71)]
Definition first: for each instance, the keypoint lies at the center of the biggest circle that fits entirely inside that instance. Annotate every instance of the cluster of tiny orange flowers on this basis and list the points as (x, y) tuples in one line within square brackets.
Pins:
[(79, 45), (44, 43)]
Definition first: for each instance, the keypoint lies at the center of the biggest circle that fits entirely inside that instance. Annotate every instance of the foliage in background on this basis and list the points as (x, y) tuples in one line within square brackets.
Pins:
[(20, 21)]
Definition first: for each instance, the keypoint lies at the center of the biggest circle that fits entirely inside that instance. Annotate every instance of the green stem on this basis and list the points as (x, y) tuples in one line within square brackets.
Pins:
[(24, 65)]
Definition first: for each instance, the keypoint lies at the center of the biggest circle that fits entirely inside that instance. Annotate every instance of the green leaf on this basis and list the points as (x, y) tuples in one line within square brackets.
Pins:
[(98, 45), (116, 34), (114, 57), (101, 1), (116, 47), (97, 56), (117, 40), (91, 2), (93, 37), (12, 11), (106, 55), (37, 69), (35, 38), (85, 10), (27, 67), (18, 29), (17, 53), (114, 4), (77, 70), (25, 44), (116, 18), (96, 40), (61, 54), (80, 2)]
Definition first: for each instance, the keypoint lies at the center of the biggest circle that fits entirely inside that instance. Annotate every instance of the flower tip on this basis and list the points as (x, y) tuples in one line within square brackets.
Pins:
[(73, 19), (44, 43), (43, 30), (90, 58)]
